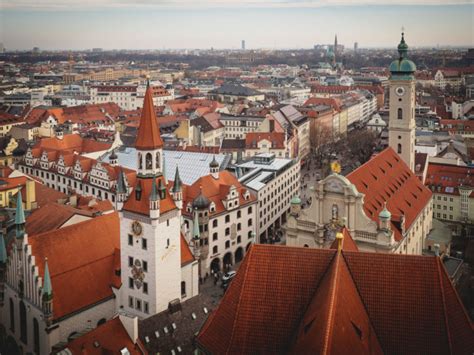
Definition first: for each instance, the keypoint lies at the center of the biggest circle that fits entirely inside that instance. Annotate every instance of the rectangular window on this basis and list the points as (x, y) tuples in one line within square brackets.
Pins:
[(145, 307), (144, 244), (130, 301), (130, 239), (138, 304), (145, 288), (130, 283), (130, 261), (145, 266)]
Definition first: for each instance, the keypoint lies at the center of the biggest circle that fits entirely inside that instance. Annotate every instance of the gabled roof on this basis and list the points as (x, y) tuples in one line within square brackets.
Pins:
[(80, 257), (386, 178), (142, 206), (111, 337), (346, 302), (148, 136), (348, 244)]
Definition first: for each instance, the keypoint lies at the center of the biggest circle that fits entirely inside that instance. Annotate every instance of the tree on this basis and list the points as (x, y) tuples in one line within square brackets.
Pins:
[(361, 144)]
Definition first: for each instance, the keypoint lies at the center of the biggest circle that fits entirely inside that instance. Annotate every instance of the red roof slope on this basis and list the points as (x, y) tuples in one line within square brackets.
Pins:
[(404, 302), (81, 258), (348, 244), (148, 136), (386, 178), (111, 337), (447, 179)]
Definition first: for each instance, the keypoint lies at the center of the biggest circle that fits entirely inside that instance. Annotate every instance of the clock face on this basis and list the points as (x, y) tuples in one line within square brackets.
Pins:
[(137, 228), (400, 91)]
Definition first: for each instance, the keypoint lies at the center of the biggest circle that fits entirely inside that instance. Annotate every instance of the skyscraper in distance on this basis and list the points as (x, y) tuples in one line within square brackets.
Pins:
[(243, 44)]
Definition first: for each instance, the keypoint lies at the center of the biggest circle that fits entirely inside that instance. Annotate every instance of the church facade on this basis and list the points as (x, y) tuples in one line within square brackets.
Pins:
[(382, 203)]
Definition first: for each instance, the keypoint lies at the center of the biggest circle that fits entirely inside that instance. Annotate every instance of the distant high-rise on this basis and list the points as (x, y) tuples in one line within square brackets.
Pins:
[(2, 48), (356, 46), (36, 50), (243, 44), (335, 44)]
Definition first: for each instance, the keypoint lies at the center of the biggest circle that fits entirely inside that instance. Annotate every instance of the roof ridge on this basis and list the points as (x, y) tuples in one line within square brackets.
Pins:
[(334, 283), (445, 316), (72, 225)]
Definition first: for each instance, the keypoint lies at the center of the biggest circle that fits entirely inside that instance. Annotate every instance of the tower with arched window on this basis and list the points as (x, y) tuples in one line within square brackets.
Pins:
[(149, 145), (402, 106)]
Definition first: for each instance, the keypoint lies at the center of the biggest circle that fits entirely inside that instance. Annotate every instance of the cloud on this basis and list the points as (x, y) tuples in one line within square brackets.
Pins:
[(196, 4)]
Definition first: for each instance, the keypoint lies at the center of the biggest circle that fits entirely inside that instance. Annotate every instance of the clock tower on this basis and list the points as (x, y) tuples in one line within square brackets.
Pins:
[(402, 106), (150, 228)]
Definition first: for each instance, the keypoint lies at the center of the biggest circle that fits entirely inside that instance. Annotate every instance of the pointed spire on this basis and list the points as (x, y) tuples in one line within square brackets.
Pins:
[(120, 183), (177, 181), (196, 234), (20, 213), (154, 194), (47, 287), (19, 216), (3, 250), (148, 137)]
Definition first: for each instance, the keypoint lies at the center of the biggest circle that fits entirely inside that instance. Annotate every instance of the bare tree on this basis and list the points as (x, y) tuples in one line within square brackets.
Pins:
[(361, 144)]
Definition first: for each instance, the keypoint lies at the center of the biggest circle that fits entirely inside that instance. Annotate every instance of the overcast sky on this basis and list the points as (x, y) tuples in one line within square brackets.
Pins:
[(158, 24)]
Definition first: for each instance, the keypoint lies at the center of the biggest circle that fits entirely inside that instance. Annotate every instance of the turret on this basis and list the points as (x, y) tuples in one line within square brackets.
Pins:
[(154, 201), (113, 158), (121, 191), (19, 221), (177, 190), (47, 294), (196, 236), (214, 168), (384, 218), (3, 267), (295, 208)]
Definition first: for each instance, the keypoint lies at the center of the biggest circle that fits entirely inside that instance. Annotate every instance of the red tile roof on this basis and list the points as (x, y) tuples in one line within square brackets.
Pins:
[(447, 179), (148, 136), (386, 178), (277, 139), (215, 190), (348, 302), (186, 255), (111, 337), (81, 257), (51, 216), (72, 143), (142, 206)]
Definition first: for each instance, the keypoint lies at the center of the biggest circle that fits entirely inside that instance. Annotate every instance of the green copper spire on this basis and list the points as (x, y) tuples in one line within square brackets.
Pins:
[(196, 234), (403, 47), (19, 216), (47, 288), (154, 194), (177, 181), (3, 250)]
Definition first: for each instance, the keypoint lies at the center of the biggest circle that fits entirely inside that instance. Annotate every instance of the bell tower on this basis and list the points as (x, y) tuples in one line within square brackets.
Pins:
[(402, 106), (149, 145)]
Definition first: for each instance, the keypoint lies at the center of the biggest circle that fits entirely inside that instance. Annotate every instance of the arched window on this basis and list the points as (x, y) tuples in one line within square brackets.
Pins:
[(23, 325), (157, 166), (399, 148), (400, 114), (12, 316), (148, 161), (183, 288), (36, 338), (140, 162)]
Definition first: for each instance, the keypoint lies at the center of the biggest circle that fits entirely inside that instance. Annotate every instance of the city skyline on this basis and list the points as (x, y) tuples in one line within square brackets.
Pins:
[(113, 24)]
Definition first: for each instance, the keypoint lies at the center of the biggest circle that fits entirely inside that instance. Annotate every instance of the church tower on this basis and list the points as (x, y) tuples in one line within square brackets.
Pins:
[(402, 106), (150, 228)]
